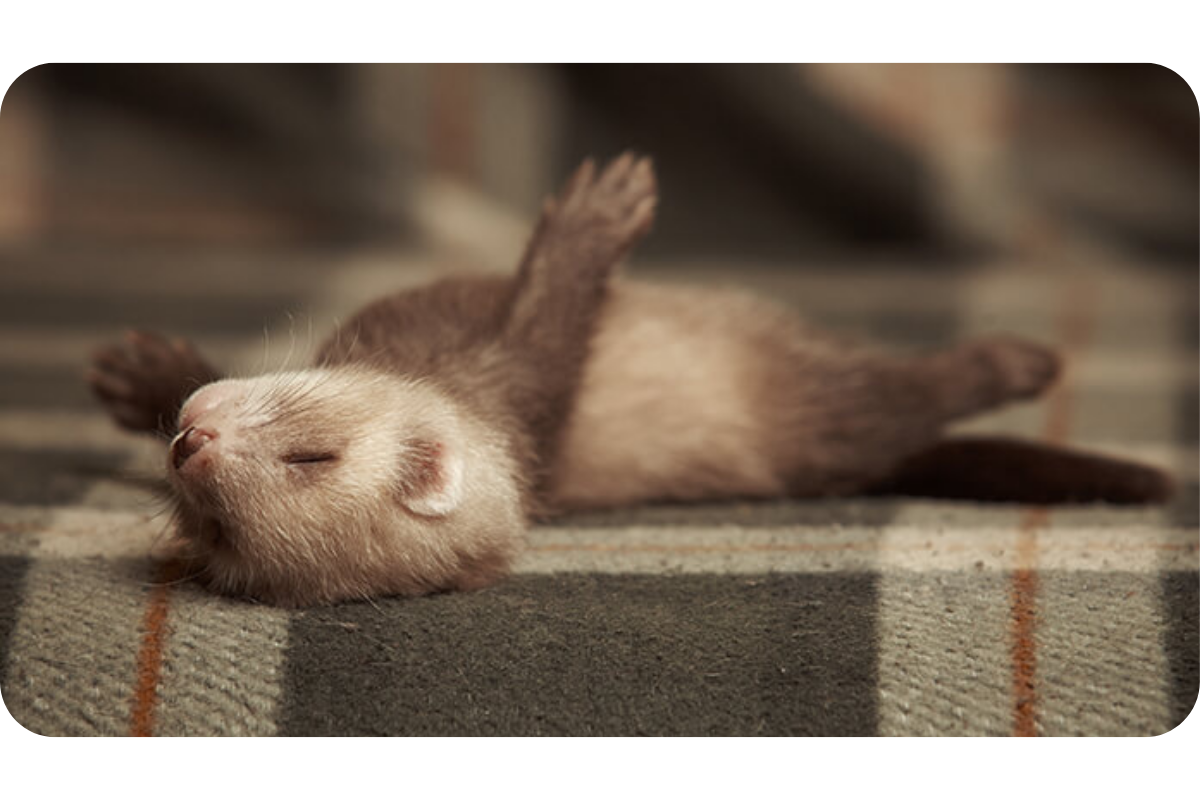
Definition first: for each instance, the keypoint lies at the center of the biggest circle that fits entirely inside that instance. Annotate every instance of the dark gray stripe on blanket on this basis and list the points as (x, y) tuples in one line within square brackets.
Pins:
[(12, 584), (1181, 590), (59, 309), (29, 386), (53, 477), (594, 655), (1181, 604)]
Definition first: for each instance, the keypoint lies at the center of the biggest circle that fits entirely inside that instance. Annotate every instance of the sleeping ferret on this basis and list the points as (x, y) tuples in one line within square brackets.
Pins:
[(440, 420)]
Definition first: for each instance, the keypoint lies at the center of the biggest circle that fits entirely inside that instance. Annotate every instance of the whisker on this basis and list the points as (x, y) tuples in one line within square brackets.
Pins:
[(310, 345), (287, 360), (262, 365), (175, 582)]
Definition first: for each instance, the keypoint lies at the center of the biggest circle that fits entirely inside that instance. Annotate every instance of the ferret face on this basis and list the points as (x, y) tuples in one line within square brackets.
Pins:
[(327, 484)]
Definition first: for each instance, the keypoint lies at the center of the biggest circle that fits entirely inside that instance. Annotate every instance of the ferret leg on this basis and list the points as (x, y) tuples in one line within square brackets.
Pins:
[(562, 282), (579, 240), (853, 422), (985, 373), (144, 379)]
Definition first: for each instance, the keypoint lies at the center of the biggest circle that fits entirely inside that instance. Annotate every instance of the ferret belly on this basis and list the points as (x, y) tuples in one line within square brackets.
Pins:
[(667, 406)]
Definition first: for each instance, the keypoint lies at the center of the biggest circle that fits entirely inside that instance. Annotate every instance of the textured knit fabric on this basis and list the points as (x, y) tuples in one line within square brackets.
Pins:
[(851, 617)]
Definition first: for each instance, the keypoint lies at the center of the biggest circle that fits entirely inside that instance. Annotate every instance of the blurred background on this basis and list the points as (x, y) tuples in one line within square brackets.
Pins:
[(253, 207), (941, 163)]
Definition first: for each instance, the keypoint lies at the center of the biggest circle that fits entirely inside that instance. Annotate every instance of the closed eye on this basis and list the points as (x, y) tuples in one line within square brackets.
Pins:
[(308, 458)]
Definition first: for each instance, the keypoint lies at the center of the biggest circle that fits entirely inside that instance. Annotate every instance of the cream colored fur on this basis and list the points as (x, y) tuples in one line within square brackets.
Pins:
[(380, 518)]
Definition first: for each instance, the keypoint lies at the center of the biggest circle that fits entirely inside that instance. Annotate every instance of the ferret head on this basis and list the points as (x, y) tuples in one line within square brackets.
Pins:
[(328, 484)]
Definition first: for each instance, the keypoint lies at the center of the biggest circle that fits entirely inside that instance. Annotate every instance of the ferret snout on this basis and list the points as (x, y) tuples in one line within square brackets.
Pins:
[(207, 401), (188, 443)]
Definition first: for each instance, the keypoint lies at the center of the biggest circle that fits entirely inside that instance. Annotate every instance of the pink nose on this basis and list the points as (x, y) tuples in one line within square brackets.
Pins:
[(188, 443)]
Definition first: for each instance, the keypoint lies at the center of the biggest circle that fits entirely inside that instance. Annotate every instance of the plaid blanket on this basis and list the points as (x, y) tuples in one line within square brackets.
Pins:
[(851, 617)]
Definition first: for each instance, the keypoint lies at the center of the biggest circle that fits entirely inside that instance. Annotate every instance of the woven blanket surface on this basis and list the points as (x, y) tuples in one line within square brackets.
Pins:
[(851, 617)]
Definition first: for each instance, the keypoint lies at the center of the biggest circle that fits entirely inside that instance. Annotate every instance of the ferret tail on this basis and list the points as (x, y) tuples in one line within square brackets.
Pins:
[(1014, 471)]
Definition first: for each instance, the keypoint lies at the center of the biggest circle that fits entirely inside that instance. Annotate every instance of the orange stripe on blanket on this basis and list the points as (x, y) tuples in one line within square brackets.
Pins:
[(1075, 331), (1023, 602), (149, 659)]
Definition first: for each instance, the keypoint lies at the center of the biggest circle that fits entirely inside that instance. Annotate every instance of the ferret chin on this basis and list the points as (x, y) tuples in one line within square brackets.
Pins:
[(328, 484)]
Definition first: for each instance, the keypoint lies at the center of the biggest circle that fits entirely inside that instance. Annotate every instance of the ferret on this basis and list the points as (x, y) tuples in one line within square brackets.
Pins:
[(411, 457)]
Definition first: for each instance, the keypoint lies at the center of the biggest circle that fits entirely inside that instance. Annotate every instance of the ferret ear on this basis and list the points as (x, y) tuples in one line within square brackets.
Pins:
[(433, 478)]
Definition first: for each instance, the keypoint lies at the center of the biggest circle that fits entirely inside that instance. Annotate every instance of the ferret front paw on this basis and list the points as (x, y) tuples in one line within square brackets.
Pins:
[(143, 379), (602, 216)]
